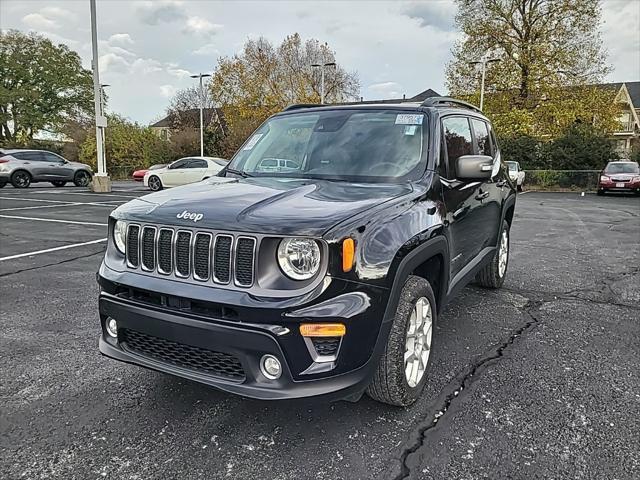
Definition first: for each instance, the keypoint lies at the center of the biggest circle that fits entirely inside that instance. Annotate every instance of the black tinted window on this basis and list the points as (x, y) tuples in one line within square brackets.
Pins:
[(179, 164), (50, 157), (457, 136), (481, 131), (197, 164), (29, 156)]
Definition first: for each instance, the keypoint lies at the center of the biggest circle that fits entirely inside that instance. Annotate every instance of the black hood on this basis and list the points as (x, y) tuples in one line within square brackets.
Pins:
[(260, 205)]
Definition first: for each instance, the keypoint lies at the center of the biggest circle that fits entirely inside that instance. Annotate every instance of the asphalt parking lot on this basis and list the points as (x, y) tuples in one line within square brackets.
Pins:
[(538, 380)]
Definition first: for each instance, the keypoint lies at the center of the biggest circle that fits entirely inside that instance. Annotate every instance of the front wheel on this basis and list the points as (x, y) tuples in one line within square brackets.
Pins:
[(58, 183), (155, 184), (21, 179), (492, 275), (401, 373), (82, 179)]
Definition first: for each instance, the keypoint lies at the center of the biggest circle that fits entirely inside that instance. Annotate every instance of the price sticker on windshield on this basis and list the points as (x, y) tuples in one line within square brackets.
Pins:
[(252, 143), (409, 119)]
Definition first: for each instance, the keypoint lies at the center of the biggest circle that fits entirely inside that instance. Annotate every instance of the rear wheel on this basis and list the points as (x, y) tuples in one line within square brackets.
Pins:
[(155, 184), (21, 179), (59, 183), (492, 275), (82, 178), (401, 373)]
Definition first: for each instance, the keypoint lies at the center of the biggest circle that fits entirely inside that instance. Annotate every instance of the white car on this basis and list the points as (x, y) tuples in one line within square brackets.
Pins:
[(183, 171), (516, 174)]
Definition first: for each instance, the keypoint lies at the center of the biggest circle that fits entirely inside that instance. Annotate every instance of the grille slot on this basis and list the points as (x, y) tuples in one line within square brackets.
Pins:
[(222, 259), (201, 256), (133, 254), (165, 261), (326, 346), (148, 248), (245, 248), (185, 356), (183, 254)]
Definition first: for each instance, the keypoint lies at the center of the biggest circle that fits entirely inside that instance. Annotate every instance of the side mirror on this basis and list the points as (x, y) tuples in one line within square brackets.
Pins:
[(474, 167)]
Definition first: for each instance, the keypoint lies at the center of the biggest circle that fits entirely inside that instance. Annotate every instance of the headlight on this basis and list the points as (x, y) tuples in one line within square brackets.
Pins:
[(604, 178), (120, 235), (299, 258)]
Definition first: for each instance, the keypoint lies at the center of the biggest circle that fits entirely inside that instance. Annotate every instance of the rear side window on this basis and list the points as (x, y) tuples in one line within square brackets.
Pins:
[(197, 164), (483, 140), (29, 156), (457, 139), (50, 157)]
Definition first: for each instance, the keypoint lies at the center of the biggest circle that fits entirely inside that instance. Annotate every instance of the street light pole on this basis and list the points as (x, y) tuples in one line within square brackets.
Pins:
[(201, 76), (322, 66), (484, 63)]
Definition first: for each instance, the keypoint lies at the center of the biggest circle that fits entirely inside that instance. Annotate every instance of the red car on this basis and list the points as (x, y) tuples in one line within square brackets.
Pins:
[(138, 175), (620, 176)]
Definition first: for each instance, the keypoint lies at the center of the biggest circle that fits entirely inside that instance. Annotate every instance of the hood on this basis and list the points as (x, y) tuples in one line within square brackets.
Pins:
[(79, 165), (260, 205)]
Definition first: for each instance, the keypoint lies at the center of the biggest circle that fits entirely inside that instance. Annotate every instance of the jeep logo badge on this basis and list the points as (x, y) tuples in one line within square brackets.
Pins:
[(190, 216)]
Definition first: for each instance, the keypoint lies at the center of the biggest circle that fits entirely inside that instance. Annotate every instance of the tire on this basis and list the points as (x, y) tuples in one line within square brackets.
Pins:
[(82, 178), (20, 179), (58, 183), (395, 382), (493, 274), (155, 184)]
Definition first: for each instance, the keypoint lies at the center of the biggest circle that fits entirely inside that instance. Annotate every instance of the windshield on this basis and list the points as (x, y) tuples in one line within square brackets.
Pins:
[(364, 145), (513, 166), (622, 167)]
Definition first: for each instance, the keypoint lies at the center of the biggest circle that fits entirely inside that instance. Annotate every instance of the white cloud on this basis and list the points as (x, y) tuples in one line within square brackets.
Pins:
[(386, 89), (165, 11), (113, 63), (146, 66), (207, 49), (59, 13), (621, 23), (38, 21), (167, 91), (178, 72), (439, 14), (121, 39), (201, 26)]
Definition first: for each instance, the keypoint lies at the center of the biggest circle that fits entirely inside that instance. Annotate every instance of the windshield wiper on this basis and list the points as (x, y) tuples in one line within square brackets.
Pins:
[(241, 173)]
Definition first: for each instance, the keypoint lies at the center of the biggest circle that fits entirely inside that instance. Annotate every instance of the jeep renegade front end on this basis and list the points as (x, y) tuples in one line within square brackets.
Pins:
[(317, 262)]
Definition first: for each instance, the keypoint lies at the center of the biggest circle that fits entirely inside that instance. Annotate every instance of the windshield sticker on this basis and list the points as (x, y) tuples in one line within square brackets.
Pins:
[(410, 129), (409, 119), (252, 143)]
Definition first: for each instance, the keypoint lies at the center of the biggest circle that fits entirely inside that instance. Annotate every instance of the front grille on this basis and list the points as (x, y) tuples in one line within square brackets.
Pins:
[(185, 356), (222, 259), (133, 258), (244, 261), (202, 256), (326, 345)]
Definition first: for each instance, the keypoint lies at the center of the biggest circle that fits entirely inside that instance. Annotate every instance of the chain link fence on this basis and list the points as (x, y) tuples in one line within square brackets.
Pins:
[(562, 179)]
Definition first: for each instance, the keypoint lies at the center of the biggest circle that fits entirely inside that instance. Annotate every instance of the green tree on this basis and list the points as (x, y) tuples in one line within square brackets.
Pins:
[(41, 85), (128, 146), (264, 78), (581, 147)]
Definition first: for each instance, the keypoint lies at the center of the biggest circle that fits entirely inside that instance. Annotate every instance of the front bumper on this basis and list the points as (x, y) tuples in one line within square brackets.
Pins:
[(247, 341)]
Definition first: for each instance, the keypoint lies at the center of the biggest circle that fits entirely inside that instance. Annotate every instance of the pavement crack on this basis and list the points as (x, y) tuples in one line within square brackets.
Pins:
[(456, 388), (66, 260)]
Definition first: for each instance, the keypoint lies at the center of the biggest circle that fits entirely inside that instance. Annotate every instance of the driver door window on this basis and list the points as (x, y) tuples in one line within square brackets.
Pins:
[(175, 172), (457, 141)]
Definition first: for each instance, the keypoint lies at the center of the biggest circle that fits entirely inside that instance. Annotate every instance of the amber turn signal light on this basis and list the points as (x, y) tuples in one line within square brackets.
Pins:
[(322, 330), (348, 253)]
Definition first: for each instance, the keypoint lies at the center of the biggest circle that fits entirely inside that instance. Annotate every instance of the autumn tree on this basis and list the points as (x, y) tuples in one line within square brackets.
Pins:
[(41, 86), (549, 52), (265, 78)]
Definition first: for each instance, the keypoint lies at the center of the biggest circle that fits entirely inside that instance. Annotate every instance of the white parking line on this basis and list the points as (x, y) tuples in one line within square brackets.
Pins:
[(53, 220), (39, 200), (103, 195), (11, 209), (64, 247)]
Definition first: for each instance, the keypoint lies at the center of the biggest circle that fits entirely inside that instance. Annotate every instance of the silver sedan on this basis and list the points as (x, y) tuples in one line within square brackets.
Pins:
[(22, 167)]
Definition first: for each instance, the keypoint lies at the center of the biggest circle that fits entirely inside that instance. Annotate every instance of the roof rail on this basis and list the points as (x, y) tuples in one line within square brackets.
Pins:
[(436, 101), (297, 106)]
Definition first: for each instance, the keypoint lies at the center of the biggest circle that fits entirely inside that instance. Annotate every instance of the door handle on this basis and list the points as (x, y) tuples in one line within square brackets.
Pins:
[(482, 196)]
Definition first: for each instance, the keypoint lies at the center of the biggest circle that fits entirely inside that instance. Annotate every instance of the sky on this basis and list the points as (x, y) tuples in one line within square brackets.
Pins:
[(148, 49)]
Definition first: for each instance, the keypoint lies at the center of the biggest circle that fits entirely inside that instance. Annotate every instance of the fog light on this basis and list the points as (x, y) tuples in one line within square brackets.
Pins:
[(270, 367), (112, 327)]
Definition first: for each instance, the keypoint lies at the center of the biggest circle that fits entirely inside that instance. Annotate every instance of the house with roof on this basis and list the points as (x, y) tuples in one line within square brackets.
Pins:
[(628, 96), (190, 119)]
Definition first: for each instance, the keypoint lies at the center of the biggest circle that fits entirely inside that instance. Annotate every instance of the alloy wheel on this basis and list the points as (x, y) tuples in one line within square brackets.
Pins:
[(418, 342), (503, 254)]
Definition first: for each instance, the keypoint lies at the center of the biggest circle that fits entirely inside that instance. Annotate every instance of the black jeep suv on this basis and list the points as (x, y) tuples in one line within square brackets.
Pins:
[(317, 262)]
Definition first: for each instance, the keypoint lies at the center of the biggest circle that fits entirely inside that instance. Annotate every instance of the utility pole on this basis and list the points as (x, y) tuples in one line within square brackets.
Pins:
[(101, 181), (484, 63), (322, 67), (201, 76)]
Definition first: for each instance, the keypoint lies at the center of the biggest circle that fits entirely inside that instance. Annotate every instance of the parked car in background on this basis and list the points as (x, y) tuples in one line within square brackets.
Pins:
[(516, 174), (183, 171), (22, 167), (620, 176), (138, 175)]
